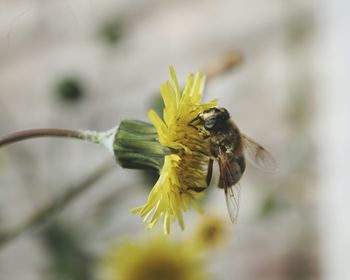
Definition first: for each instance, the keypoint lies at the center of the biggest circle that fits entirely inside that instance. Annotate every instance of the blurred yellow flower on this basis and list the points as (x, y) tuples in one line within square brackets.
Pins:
[(154, 259), (211, 232), (185, 167)]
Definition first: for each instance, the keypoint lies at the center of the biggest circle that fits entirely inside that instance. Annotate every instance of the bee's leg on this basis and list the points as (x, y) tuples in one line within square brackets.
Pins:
[(197, 189), (202, 153), (210, 171), (200, 131), (205, 136), (195, 127)]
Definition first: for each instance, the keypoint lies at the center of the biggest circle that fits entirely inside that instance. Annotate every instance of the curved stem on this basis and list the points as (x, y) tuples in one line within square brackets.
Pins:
[(41, 132), (106, 138)]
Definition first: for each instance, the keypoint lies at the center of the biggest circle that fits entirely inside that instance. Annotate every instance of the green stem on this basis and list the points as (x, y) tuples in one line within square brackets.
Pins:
[(47, 212)]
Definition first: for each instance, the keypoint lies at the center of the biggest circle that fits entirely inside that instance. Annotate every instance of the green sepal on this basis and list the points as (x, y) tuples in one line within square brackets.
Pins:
[(136, 146)]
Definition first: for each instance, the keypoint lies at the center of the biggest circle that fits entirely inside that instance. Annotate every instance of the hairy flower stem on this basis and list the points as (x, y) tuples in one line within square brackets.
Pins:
[(86, 135)]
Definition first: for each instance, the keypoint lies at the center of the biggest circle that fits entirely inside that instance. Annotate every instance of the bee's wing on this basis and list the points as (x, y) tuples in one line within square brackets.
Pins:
[(258, 156), (230, 173), (232, 201)]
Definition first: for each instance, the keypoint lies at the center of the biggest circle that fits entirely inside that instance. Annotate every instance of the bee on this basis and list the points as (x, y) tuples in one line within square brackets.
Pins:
[(230, 148)]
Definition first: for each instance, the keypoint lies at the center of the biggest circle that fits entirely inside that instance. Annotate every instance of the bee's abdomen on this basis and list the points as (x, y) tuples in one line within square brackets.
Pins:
[(231, 172), (241, 163)]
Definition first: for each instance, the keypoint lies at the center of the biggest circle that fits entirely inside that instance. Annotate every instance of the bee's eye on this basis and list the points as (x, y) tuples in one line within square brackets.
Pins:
[(209, 123)]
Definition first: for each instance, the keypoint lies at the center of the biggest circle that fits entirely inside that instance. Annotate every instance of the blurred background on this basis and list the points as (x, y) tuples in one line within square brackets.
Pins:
[(90, 64)]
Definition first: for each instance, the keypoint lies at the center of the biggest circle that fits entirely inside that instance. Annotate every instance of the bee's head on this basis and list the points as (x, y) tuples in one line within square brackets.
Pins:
[(212, 118)]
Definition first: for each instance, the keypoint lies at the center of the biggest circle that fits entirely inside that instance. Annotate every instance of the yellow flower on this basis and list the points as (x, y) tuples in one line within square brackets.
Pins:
[(186, 166), (154, 259), (210, 233)]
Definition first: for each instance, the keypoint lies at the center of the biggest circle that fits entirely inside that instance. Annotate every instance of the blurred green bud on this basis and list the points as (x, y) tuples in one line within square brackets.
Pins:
[(69, 89), (111, 31)]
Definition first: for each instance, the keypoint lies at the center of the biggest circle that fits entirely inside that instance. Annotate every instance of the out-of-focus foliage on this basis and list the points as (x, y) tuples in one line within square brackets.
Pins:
[(68, 258)]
